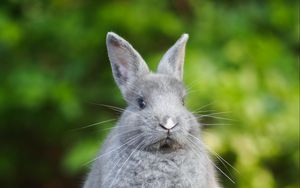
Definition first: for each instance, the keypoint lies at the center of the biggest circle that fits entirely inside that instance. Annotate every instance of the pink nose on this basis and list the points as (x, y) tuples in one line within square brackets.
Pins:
[(169, 124)]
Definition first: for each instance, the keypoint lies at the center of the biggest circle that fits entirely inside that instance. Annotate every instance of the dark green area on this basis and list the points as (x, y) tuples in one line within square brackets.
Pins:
[(241, 60)]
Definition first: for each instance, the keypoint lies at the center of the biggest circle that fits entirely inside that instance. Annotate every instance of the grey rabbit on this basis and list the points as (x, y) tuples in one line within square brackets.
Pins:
[(156, 142)]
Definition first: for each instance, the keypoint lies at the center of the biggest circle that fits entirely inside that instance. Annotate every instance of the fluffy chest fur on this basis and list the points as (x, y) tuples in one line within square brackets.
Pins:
[(185, 168), (144, 169)]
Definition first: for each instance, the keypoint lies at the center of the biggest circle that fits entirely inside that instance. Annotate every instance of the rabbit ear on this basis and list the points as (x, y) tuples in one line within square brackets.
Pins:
[(173, 60), (127, 64)]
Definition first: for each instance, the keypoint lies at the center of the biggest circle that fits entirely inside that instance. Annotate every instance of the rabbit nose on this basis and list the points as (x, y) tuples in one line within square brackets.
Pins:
[(169, 124)]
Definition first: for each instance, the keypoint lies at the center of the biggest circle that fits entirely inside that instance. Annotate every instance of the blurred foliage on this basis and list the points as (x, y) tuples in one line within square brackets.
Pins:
[(241, 58)]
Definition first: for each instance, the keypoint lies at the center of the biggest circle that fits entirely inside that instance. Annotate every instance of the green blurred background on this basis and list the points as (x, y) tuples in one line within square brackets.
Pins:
[(241, 63)]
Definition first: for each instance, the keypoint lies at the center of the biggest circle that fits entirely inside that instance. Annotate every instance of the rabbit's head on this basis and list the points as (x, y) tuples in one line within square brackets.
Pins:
[(156, 109)]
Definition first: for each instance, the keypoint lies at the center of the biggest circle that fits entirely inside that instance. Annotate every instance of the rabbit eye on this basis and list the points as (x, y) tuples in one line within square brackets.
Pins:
[(141, 102)]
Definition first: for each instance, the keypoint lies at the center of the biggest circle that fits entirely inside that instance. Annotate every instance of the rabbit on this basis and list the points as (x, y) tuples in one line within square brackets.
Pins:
[(156, 142)]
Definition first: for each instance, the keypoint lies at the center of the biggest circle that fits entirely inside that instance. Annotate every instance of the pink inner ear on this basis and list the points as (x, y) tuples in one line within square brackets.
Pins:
[(123, 62), (115, 42)]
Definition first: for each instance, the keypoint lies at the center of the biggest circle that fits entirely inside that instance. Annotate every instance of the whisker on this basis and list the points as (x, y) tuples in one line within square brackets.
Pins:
[(216, 117), (202, 111), (94, 124), (100, 156), (192, 84), (115, 162), (198, 117), (220, 159), (209, 124), (116, 127), (123, 133), (215, 153), (224, 112), (118, 109), (194, 149), (125, 163), (189, 91), (206, 105), (215, 165), (213, 112), (206, 124), (222, 172)]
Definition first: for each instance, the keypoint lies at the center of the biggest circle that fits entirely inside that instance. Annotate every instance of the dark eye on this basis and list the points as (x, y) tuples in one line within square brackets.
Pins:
[(141, 102)]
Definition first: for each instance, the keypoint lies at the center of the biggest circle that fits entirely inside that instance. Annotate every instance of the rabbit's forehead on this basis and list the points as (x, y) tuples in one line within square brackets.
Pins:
[(160, 84)]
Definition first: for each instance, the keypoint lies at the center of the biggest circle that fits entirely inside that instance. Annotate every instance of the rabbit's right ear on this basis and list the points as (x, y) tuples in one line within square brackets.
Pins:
[(127, 64), (173, 60)]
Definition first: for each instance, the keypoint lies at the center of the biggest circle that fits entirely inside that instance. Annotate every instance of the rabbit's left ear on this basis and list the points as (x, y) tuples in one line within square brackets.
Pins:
[(173, 60), (127, 64)]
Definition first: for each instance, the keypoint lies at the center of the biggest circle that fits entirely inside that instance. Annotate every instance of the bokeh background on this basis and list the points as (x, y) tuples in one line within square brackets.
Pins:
[(241, 64)]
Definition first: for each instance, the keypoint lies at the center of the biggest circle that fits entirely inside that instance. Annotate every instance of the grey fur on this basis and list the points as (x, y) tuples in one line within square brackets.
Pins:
[(137, 152), (172, 62)]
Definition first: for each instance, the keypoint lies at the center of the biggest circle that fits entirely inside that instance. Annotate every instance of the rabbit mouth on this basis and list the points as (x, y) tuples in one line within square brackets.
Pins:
[(167, 144)]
